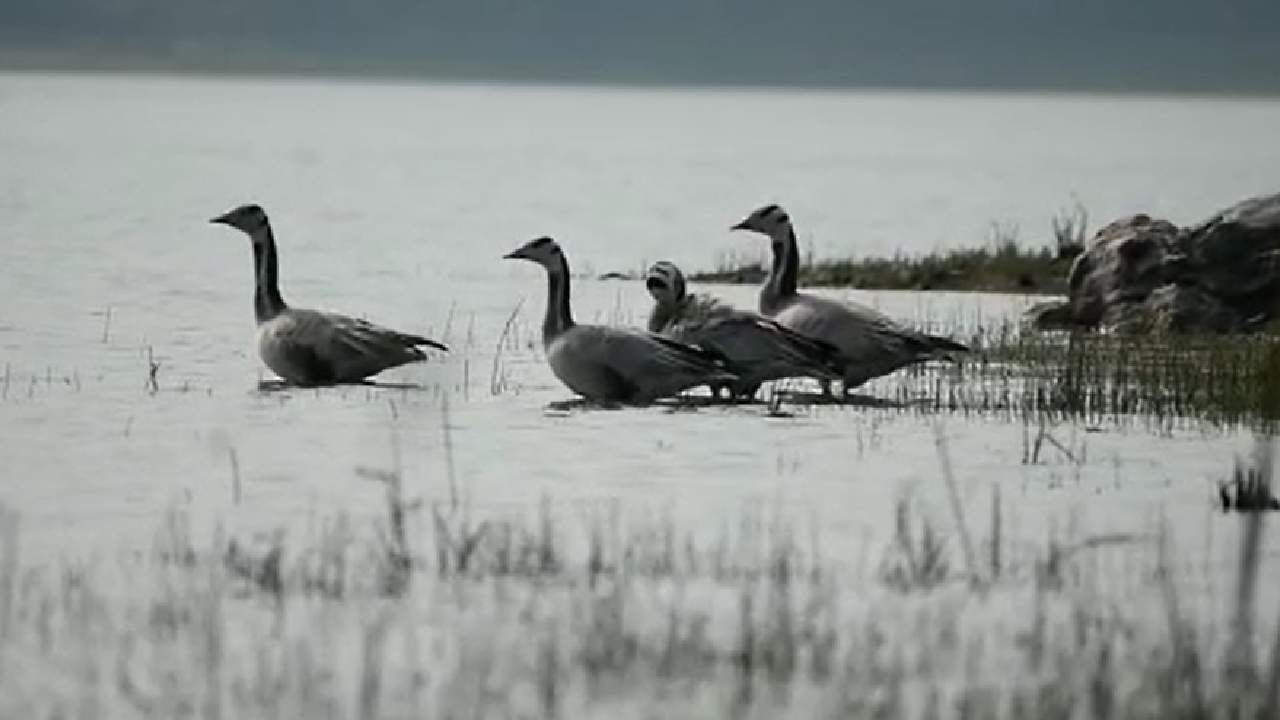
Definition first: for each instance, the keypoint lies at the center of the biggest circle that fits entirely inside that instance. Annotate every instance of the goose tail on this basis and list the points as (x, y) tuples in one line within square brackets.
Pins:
[(944, 347), (432, 344), (415, 342)]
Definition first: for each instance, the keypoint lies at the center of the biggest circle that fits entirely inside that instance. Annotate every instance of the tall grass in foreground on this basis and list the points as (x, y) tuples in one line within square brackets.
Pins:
[(537, 615)]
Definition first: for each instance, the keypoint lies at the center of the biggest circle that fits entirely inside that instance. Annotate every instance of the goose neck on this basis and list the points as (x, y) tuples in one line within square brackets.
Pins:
[(267, 302), (559, 318), (781, 283), (664, 311)]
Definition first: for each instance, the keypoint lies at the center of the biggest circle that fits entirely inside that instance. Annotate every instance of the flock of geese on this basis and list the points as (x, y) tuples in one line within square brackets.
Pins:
[(692, 339)]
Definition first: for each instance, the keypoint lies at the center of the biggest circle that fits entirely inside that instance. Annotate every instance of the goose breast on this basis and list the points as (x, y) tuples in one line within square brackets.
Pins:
[(283, 347)]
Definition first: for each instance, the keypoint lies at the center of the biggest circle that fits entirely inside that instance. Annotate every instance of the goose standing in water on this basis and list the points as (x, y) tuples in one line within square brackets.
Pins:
[(609, 364), (756, 348), (870, 343), (307, 347)]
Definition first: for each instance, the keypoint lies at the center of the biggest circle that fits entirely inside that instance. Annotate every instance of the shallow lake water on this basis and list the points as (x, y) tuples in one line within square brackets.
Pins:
[(394, 202)]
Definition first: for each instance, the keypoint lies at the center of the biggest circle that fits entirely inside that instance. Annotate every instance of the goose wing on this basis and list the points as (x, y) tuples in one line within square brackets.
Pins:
[(755, 347), (857, 330), (644, 366), (693, 316), (338, 348), (869, 343), (767, 350)]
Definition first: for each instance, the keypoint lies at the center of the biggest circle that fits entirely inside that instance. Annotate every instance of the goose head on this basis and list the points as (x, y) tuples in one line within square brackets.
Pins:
[(770, 220), (665, 283), (248, 219), (544, 251)]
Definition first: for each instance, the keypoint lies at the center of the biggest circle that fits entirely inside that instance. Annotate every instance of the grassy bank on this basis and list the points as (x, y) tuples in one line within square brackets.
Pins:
[(1001, 264)]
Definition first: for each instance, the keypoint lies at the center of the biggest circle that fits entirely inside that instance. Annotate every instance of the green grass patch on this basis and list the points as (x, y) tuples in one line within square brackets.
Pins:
[(1006, 269)]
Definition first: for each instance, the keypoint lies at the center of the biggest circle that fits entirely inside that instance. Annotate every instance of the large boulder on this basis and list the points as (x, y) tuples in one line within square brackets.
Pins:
[(1173, 308), (1233, 255), (1126, 261), (1141, 274)]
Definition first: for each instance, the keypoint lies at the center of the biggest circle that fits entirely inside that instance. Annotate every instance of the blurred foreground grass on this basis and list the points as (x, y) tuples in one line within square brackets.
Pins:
[(443, 615)]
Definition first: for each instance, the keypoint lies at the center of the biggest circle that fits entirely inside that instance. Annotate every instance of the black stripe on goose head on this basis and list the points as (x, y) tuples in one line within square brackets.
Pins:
[(663, 281), (771, 216), (673, 279), (655, 284), (248, 218), (541, 250), (764, 220), (772, 220)]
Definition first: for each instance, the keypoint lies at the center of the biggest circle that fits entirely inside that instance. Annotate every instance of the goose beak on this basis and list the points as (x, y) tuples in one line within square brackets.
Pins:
[(221, 220), (744, 225), (517, 254)]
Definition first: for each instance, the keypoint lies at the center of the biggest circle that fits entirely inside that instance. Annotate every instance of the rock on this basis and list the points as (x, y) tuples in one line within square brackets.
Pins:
[(1173, 308), (1049, 315), (1141, 274), (1176, 308), (1234, 254), (1124, 263)]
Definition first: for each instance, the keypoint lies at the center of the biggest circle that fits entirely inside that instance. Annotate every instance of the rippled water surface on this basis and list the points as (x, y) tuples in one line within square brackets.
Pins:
[(395, 202)]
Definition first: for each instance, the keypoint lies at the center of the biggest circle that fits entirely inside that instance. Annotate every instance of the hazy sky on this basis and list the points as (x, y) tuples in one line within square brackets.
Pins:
[(1200, 45)]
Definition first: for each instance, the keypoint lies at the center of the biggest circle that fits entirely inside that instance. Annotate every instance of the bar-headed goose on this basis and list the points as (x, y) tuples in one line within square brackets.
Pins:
[(870, 343), (756, 348), (612, 364), (307, 347)]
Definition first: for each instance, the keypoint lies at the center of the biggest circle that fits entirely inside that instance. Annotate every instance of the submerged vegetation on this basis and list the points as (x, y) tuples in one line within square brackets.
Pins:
[(1227, 381), (1003, 264)]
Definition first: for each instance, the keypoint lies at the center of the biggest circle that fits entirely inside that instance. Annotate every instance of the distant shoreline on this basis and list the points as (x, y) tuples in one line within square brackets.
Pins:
[(1002, 270), (1001, 265), (58, 63)]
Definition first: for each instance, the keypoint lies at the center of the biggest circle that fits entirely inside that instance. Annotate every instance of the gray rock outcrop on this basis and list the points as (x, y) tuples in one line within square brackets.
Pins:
[(1141, 274)]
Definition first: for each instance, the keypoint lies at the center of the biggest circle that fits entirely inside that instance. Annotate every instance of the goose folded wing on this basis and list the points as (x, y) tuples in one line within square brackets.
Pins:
[(645, 358), (696, 314), (376, 333), (816, 348), (358, 348), (885, 335), (855, 329), (707, 307), (759, 341)]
